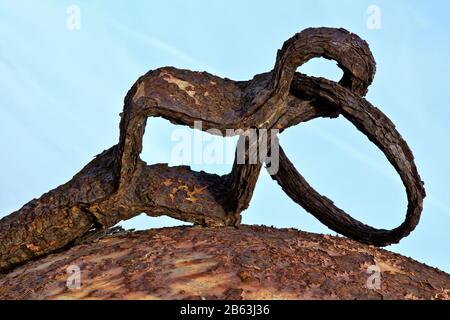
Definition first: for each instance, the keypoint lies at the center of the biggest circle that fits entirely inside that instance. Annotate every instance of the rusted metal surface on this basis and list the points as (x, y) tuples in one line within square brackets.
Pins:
[(225, 263), (118, 185)]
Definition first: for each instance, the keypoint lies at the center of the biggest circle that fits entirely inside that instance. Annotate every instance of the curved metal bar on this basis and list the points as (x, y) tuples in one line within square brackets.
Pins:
[(118, 185)]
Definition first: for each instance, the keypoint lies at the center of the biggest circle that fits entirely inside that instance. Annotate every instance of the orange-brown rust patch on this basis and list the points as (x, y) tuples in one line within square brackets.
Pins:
[(140, 92), (181, 84), (33, 247), (190, 194)]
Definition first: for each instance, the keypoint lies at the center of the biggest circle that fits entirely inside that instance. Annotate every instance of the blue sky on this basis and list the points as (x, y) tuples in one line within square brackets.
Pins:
[(61, 93)]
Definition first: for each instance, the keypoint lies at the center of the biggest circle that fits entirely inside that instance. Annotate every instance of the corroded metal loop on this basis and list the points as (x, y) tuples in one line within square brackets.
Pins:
[(350, 52), (118, 185), (356, 60), (382, 132)]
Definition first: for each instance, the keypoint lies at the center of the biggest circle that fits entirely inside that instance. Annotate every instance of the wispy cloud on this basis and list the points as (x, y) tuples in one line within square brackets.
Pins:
[(378, 167), (353, 152), (156, 43)]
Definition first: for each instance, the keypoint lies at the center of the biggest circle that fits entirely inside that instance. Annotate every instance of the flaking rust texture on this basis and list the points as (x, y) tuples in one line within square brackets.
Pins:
[(224, 263), (118, 185)]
